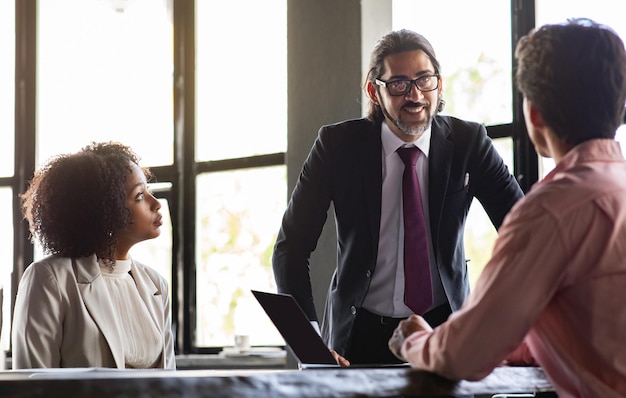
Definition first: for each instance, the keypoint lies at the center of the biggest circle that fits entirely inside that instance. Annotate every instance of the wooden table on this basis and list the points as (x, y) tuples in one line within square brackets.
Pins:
[(343, 382)]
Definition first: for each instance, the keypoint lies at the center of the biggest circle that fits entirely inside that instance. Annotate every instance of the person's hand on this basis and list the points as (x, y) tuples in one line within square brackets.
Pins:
[(407, 327), (341, 361), (521, 356)]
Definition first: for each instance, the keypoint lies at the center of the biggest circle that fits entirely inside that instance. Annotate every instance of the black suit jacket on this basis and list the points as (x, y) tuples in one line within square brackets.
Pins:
[(345, 167)]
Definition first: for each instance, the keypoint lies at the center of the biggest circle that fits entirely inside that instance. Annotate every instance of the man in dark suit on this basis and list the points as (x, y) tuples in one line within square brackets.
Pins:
[(354, 165)]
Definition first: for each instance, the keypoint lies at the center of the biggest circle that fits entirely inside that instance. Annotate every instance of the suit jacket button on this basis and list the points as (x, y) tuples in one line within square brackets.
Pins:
[(368, 273), (353, 310)]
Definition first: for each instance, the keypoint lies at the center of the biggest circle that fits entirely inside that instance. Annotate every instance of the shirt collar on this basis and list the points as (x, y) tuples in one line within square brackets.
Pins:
[(605, 149), (391, 142)]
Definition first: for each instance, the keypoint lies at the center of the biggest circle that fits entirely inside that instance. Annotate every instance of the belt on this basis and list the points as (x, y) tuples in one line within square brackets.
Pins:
[(379, 319), (434, 317)]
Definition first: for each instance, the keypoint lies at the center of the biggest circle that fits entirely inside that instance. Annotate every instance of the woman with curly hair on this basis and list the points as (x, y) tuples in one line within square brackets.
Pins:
[(89, 304)]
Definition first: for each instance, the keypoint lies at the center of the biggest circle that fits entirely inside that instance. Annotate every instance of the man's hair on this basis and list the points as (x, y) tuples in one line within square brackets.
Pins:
[(574, 73), (393, 43)]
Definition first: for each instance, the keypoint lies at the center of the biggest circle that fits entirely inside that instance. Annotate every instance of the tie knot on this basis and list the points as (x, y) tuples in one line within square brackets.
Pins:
[(409, 154)]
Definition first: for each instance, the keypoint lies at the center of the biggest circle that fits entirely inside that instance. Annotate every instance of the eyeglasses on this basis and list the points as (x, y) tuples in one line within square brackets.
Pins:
[(402, 87)]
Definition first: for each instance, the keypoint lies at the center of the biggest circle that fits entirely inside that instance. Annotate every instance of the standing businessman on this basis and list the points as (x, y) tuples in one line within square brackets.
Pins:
[(359, 166)]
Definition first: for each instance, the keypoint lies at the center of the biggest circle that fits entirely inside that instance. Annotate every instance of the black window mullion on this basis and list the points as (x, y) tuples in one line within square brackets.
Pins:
[(500, 130), (526, 161), (184, 179)]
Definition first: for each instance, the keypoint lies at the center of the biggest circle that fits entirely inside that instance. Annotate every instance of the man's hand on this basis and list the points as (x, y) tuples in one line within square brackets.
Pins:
[(341, 361), (407, 327), (521, 356)]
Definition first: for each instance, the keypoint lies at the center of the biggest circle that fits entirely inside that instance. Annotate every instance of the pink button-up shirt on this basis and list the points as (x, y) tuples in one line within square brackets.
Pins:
[(556, 281)]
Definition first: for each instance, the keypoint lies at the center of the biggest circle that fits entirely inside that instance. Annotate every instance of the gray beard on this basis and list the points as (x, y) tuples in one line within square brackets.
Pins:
[(418, 130)]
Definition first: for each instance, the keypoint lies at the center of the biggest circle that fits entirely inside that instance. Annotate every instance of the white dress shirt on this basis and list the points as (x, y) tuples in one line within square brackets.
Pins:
[(142, 342), (386, 292)]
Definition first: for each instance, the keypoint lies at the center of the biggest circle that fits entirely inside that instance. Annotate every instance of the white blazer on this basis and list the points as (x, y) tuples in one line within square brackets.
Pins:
[(63, 317)]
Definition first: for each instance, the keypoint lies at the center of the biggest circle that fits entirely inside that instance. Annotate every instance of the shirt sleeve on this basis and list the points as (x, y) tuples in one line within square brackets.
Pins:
[(515, 286)]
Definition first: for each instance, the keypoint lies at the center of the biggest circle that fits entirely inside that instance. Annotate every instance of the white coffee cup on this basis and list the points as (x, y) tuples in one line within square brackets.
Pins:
[(242, 342)]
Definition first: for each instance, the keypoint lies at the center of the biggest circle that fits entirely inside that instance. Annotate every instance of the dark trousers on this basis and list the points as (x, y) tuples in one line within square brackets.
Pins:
[(371, 334)]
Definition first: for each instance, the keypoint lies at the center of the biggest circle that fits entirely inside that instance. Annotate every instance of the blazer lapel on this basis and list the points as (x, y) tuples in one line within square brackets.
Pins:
[(370, 164), (151, 295), (439, 164), (96, 299)]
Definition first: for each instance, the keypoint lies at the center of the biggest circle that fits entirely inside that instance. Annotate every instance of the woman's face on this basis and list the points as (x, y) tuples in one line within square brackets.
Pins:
[(144, 208)]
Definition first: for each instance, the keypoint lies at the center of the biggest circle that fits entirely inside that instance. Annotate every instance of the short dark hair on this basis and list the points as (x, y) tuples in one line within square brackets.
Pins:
[(393, 43), (75, 203), (575, 75)]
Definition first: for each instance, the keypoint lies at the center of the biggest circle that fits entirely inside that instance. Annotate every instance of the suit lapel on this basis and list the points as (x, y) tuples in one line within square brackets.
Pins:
[(370, 164), (439, 164), (95, 296)]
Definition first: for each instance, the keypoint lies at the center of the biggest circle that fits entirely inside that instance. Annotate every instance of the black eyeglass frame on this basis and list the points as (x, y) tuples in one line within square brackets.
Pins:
[(412, 82)]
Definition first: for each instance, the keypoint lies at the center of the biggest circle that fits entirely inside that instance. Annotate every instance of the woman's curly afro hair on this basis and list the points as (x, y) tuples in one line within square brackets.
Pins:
[(75, 203)]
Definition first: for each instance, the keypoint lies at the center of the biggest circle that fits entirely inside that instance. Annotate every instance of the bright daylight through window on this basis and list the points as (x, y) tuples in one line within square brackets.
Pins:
[(7, 109)]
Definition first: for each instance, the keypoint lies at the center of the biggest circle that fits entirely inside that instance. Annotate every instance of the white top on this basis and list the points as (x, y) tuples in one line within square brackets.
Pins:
[(142, 341)]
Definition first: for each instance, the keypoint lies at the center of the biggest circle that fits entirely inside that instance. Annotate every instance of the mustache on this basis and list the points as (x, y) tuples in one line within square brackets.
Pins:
[(415, 104)]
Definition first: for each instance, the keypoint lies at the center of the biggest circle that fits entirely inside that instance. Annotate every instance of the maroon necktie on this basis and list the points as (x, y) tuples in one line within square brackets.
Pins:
[(418, 294)]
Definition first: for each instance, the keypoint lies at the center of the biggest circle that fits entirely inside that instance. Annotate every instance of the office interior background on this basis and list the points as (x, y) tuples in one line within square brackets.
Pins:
[(223, 99)]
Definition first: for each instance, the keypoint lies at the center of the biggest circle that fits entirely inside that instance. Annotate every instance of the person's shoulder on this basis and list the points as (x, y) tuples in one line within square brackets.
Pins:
[(151, 272), (455, 125), (581, 184), (53, 267), (51, 262), (348, 132), (350, 125)]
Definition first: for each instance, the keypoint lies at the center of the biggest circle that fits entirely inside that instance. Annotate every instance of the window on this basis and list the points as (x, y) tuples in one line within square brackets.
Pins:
[(237, 221), (6, 259), (105, 76), (475, 65), (241, 108), (7, 52), (242, 80), (7, 151), (477, 85)]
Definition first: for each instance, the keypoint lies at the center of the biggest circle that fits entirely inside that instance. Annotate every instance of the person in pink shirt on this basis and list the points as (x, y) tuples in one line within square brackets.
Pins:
[(554, 292)]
